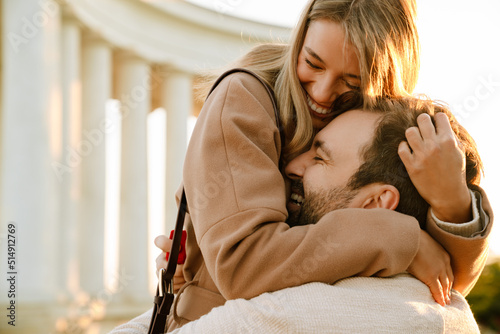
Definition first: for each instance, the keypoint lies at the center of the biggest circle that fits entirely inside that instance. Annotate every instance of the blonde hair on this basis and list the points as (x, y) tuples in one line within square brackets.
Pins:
[(384, 35)]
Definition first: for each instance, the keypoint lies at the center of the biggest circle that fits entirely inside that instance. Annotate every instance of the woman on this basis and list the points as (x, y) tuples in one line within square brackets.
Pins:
[(238, 242)]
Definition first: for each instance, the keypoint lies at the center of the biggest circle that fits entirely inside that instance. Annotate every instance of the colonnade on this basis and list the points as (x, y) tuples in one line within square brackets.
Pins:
[(56, 90), (73, 169)]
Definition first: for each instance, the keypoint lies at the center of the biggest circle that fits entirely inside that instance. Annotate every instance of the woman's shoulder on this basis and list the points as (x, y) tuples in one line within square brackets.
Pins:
[(242, 90), (239, 78)]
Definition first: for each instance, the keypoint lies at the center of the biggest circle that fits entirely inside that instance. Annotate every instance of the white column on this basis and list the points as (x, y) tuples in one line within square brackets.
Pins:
[(177, 99), (30, 137), (133, 89), (71, 160), (157, 157), (96, 91)]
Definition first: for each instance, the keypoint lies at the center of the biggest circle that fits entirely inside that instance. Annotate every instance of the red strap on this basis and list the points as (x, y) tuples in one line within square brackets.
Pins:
[(182, 248)]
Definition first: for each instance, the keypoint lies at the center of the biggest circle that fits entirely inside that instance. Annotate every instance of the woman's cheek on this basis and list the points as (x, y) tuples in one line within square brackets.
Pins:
[(303, 73)]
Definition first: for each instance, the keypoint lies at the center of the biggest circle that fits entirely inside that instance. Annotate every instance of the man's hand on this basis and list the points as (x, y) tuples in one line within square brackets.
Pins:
[(436, 166), (165, 244), (432, 266)]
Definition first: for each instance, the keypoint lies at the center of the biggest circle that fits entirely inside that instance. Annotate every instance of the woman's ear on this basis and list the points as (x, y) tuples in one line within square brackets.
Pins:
[(382, 196)]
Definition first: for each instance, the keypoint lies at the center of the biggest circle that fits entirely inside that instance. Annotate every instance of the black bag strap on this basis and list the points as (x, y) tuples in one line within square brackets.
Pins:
[(269, 91), (164, 292)]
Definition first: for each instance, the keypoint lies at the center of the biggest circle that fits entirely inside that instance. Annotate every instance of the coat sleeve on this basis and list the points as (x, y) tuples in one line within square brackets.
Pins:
[(468, 254), (237, 202)]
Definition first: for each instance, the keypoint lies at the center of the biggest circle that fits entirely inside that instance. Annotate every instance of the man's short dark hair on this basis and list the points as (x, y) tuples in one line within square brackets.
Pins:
[(381, 159)]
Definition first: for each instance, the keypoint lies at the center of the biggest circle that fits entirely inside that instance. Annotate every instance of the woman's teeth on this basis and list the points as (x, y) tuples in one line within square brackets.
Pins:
[(317, 109), (297, 198)]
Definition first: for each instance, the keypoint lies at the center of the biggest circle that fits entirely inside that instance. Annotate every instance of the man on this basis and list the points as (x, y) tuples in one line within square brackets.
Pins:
[(353, 163), (370, 161)]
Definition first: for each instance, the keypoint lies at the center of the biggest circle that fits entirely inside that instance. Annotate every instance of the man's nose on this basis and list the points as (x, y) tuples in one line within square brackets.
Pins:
[(295, 169)]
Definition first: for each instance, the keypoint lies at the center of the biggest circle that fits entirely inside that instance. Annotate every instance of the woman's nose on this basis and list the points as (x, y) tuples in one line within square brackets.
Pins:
[(324, 92)]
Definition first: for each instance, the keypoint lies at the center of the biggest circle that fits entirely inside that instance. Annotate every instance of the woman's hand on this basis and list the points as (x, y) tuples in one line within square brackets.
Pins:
[(165, 244), (436, 166), (432, 266)]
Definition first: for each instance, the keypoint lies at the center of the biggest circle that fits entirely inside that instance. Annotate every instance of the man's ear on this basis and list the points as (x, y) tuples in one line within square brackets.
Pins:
[(382, 196)]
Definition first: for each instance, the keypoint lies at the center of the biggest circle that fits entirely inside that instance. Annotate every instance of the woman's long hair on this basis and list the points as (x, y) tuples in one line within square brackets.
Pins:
[(384, 35)]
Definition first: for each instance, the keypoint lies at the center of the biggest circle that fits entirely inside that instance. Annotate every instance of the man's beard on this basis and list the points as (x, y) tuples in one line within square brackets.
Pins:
[(317, 204)]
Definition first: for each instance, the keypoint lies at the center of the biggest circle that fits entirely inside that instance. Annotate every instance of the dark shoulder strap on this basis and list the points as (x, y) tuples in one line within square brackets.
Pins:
[(164, 297), (164, 292)]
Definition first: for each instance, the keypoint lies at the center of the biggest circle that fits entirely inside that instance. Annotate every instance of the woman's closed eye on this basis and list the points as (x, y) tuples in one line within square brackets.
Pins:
[(351, 86), (311, 64)]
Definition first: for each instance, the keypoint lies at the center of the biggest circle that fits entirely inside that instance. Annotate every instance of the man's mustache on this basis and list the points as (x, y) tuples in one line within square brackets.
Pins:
[(297, 187)]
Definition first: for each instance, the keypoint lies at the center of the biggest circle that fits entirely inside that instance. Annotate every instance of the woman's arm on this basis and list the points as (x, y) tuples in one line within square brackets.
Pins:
[(468, 247), (237, 203), (436, 165)]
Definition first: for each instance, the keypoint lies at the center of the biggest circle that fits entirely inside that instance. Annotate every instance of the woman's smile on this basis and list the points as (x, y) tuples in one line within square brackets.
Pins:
[(318, 110)]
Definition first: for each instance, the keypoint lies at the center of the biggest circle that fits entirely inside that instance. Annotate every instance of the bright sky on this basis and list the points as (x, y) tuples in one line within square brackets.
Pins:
[(460, 65)]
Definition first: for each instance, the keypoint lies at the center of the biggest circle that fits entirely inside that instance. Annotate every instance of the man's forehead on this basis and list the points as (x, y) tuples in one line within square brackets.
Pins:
[(351, 129)]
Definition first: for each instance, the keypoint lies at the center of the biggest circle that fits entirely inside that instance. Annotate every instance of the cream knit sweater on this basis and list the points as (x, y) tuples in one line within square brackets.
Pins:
[(400, 304)]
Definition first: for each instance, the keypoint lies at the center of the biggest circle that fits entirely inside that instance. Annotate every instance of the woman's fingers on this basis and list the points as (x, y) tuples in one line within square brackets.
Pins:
[(163, 243), (443, 125), (161, 262), (432, 266), (437, 292), (425, 126), (449, 279), (414, 139), (445, 284)]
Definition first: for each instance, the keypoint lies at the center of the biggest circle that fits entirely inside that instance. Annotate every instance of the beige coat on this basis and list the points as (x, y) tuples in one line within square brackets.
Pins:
[(238, 244)]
